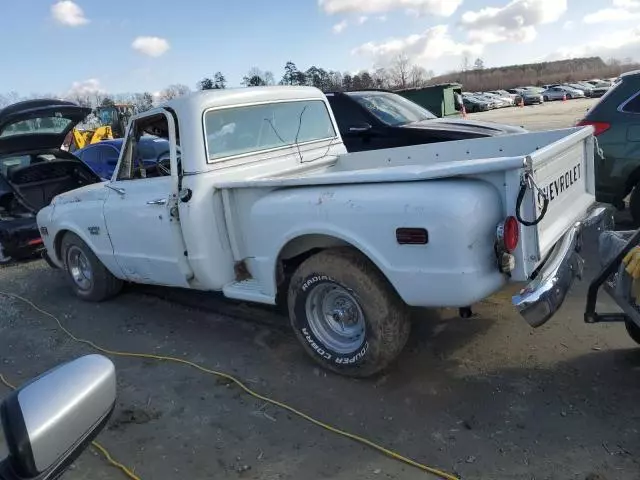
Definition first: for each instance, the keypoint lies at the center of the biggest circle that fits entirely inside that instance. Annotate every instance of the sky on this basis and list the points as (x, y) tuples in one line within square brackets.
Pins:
[(124, 46)]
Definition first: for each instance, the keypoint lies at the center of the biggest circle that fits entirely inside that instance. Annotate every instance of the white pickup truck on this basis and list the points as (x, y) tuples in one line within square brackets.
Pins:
[(258, 198)]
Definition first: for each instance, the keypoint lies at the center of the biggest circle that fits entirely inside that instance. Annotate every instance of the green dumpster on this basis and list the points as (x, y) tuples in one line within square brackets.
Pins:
[(438, 99)]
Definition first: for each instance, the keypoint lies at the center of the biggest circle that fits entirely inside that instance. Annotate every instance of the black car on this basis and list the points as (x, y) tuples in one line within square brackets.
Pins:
[(375, 119), (34, 169)]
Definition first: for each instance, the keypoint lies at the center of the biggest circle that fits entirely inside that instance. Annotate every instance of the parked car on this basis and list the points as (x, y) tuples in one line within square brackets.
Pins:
[(48, 422), (585, 87), (616, 119), (505, 94), (268, 206), (102, 157), (600, 91), (502, 101), (374, 119), (34, 169), (560, 93), (527, 97), (474, 104)]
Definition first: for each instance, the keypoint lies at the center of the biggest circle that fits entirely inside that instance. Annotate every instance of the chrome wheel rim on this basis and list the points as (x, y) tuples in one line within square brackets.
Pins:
[(79, 268), (335, 318)]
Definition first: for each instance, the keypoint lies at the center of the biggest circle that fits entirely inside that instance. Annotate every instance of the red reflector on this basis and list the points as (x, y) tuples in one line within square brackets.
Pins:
[(511, 234), (412, 236), (599, 127), (35, 241)]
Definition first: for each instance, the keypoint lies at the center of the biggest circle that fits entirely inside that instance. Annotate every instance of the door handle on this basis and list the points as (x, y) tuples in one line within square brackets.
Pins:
[(159, 201), (118, 190)]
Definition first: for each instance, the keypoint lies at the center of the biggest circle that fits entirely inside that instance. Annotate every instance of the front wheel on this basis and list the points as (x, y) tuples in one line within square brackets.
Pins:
[(87, 276), (346, 314), (545, 99)]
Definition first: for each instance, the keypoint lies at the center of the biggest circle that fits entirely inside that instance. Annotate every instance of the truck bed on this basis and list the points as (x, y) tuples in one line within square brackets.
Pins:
[(421, 162), (555, 157)]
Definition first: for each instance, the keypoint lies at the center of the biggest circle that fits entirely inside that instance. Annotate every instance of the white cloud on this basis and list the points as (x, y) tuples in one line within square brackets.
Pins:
[(68, 13), (362, 19), (151, 46), (84, 88), (444, 8), (610, 15), (382, 18), (436, 42), (568, 25), (626, 3), (339, 27), (515, 22), (616, 44)]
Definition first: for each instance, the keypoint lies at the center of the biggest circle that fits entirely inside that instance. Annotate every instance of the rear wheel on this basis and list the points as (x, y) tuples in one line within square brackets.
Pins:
[(345, 313), (87, 276), (633, 330)]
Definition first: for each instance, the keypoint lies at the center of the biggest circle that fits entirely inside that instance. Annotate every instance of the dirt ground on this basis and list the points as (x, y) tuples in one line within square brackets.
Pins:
[(484, 398)]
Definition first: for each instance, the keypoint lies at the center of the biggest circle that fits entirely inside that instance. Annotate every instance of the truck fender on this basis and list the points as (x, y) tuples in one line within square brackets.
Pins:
[(109, 263), (300, 244)]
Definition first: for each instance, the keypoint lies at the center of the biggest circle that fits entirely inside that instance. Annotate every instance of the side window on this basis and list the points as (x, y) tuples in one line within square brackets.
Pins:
[(241, 130), (110, 156), (91, 156), (347, 114), (633, 106), (133, 166)]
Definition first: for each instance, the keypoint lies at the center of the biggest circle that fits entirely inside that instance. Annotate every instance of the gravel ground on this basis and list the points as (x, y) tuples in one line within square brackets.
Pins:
[(548, 116), (486, 397)]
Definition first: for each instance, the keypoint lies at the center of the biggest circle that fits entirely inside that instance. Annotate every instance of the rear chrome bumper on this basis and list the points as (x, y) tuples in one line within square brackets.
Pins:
[(542, 298)]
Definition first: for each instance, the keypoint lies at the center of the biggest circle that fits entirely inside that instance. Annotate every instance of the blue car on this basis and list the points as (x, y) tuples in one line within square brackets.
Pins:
[(102, 157)]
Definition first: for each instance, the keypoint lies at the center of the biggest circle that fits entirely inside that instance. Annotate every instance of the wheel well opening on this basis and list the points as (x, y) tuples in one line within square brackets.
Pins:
[(57, 243), (297, 251)]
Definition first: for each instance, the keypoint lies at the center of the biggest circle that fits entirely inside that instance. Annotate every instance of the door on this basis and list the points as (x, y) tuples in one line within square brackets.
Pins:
[(141, 214)]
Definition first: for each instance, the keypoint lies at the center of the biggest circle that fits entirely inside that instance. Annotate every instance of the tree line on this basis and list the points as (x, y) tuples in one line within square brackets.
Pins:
[(399, 74)]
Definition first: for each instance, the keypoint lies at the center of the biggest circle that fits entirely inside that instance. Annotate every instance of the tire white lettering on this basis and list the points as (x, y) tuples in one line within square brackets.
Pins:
[(313, 280), (357, 357), (318, 349)]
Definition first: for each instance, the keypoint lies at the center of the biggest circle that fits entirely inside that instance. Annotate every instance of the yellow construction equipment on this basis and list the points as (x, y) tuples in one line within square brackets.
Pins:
[(113, 122)]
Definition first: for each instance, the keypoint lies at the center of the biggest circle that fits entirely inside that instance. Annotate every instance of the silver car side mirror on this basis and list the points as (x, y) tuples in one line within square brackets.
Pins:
[(48, 422)]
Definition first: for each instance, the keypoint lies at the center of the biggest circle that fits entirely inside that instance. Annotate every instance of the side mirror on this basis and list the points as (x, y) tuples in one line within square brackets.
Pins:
[(360, 128), (48, 422)]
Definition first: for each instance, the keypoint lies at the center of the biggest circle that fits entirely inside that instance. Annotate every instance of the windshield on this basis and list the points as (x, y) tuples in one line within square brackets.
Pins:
[(52, 125), (391, 108)]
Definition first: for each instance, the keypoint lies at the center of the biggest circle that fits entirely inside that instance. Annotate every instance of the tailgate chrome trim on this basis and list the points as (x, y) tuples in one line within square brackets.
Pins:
[(543, 296)]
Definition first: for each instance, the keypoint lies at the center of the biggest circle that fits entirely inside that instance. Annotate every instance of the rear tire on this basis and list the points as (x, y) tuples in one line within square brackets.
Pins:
[(85, 273), (345, 313), (633, 330)]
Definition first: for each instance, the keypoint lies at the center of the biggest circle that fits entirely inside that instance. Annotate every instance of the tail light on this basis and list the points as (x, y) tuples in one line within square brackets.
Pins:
[(508, 234), (600, 127)]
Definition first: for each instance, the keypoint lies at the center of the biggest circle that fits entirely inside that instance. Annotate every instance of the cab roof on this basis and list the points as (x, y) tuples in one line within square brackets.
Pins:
[(228, 97)]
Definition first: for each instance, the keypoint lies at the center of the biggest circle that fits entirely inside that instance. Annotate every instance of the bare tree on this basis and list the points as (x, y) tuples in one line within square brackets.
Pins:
[(418, 76), (400, 70), (174, 91), (465, 63)]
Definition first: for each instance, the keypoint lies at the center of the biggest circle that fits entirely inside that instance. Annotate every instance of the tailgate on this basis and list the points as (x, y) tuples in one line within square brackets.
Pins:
[(564, 172)]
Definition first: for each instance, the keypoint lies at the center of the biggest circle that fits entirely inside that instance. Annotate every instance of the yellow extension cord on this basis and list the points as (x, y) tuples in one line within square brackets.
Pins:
[(284, 406)]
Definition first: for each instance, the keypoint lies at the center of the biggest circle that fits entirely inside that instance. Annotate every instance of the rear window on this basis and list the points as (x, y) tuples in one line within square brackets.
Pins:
[(241, 130), (633, 105), (53, 125)]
